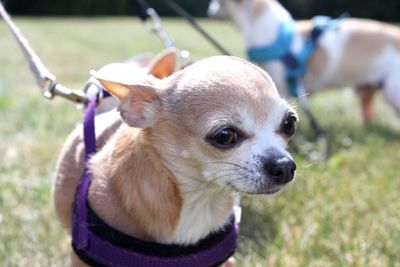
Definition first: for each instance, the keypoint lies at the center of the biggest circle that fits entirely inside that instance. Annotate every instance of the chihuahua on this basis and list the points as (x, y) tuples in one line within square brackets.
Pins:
[(172, 161), (357, 52)]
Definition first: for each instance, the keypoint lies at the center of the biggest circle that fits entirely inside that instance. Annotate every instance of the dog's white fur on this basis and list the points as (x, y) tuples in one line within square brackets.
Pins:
[(156, 176), (360, 53)]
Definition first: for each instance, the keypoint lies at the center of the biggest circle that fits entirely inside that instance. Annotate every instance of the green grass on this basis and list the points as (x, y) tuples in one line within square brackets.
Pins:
[(344, 212)]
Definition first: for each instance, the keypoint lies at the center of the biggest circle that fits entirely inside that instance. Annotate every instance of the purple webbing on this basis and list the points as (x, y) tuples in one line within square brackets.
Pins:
[(89, 135), (80, 218), (107, 254)]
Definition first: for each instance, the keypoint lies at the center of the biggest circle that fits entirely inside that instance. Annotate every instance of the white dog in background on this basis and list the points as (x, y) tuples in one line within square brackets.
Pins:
[(356, 52)]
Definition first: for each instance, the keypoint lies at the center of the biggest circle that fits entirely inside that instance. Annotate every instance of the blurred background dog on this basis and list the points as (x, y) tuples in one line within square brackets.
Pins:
[(361, 53)]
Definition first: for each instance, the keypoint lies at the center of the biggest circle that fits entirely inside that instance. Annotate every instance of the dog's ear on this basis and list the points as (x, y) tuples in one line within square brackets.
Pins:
[(164, 64), (140, 105)]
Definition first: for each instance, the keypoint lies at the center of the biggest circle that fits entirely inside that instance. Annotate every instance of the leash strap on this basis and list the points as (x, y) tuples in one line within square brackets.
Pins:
[(42, 74), (141, 8), (44, 78), (144, 11), (183, 13)]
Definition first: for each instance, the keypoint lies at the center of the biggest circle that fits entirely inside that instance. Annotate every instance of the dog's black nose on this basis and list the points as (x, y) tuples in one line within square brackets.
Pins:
[(279, 168)]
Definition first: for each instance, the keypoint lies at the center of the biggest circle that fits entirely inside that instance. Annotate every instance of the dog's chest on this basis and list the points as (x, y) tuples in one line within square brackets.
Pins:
[(203, 213)]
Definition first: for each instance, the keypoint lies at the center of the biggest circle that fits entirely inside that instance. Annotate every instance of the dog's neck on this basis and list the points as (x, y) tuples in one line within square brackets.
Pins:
[(157, 204), (262, 29), (205, 209)]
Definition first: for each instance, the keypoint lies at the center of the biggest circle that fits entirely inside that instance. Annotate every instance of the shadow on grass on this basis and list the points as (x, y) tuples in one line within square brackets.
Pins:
[(385, 131)]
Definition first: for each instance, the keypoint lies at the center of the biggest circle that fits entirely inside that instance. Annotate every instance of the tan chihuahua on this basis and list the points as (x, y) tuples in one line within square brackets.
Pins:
[(171, 164), (357, 52)]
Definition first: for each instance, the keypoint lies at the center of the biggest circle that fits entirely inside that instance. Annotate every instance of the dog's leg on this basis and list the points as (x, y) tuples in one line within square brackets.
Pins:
[(366, 94), (69, 169), (76, 262), (71, 163), (229, 263), (305, 105)]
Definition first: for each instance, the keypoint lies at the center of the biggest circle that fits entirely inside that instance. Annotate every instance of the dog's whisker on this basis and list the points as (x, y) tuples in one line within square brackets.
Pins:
[(201, 164), (227, 162)]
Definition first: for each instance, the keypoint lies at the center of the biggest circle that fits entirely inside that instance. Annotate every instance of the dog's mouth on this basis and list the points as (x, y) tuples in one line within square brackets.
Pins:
[(267, 191), (270, 190)]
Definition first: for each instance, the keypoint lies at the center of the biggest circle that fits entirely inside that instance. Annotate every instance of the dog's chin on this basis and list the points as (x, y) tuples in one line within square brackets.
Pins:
[(270, 190), (265, 191)]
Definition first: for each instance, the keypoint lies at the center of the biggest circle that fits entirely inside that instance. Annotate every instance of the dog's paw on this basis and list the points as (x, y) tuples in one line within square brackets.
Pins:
[(229, 263)]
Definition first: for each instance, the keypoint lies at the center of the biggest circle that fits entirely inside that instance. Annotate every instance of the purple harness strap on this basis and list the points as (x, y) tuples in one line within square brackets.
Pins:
[(79, 218), (97, 251)]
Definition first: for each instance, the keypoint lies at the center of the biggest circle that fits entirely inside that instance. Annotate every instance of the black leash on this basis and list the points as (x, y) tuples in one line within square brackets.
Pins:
[(141, 8), (183, 13), (144, 11)]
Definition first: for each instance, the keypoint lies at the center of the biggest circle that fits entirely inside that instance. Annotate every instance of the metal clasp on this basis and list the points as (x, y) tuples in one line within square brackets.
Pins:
[(46, 86), (50, 89), (157, 28)]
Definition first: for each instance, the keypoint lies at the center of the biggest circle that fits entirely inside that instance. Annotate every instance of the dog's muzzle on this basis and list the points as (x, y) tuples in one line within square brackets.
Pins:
[(280, 169)]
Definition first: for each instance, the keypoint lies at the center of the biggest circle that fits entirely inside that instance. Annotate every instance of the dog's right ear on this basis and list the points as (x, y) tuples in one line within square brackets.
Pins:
[(164, 64), (140, 105)]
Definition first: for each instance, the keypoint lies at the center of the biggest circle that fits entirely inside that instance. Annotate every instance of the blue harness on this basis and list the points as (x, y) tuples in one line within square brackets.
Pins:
[(295, 63)]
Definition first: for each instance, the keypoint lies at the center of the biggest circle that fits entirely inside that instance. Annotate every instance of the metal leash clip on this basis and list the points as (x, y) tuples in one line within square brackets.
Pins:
[(46, 86), (50, 88), (46, 80), (156, 26), (73, 95)]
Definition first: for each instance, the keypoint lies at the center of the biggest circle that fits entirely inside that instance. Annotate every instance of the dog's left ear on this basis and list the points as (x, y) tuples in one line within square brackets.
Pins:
[(140, 105), (164, 64)]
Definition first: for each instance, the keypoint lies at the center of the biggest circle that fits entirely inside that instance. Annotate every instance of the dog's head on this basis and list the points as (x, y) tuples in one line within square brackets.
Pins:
[(219, 121), (237, 9)]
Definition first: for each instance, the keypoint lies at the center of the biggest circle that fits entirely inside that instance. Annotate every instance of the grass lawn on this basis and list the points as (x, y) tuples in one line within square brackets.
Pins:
[(344, 212)]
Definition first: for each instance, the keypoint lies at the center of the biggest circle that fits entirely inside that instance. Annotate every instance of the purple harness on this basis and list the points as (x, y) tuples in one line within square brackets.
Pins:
[(98, 244)]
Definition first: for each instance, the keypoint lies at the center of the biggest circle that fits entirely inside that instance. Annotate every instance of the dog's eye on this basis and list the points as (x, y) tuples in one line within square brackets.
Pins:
[(225, 138), (288, 126)]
